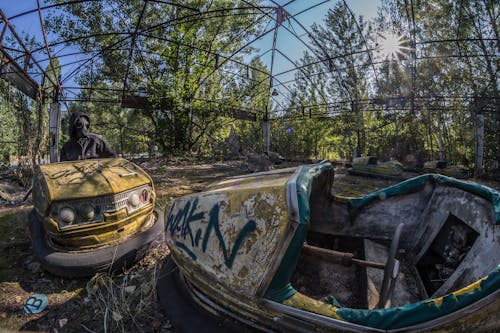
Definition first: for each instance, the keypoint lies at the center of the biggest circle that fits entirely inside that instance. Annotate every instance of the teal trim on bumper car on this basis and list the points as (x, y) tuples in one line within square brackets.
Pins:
[(418, 183), (423, 311), (280, 288)]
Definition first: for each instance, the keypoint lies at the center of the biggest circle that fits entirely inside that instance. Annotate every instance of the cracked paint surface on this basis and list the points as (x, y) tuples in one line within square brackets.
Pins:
[(233, 231)]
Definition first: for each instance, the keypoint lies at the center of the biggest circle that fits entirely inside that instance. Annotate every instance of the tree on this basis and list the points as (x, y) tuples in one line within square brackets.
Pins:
[(176, 55), (451, 77), (342, 45)]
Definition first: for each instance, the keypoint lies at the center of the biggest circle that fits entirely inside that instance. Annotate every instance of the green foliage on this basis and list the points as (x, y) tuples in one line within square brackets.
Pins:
[(8, 128), (421, 103), (174, 59), (463, 68)]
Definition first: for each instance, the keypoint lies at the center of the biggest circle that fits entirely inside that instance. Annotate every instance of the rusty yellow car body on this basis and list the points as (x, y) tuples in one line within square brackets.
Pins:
[(83, 206), (242, 249)]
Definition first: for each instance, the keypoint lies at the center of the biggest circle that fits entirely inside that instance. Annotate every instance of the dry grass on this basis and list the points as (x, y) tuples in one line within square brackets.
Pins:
[(119, 302), (127, 302)]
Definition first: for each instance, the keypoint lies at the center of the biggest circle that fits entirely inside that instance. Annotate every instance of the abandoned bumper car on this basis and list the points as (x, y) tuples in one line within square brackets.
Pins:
[(369, 166), (441, 166), (92, 215), (276, 251)]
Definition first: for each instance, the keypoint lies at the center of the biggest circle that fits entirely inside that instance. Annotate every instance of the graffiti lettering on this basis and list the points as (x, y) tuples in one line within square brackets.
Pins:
[(181, 224)]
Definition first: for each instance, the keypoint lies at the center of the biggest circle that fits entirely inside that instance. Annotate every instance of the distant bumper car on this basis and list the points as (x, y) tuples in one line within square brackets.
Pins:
[(277, 252), (369, 166), (92, 215), (441, 166)]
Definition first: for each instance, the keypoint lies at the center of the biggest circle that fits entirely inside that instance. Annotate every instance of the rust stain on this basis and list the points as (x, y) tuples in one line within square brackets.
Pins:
[(243, 272)]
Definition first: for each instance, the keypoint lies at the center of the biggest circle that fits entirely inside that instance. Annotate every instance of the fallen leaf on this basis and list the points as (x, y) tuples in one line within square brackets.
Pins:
[(156, 324), (18, 299), (130, 289), (62, 322), (117, 316)]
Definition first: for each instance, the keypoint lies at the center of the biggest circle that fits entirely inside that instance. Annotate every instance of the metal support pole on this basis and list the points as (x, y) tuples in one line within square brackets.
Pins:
[(266, 128), (54, 125)]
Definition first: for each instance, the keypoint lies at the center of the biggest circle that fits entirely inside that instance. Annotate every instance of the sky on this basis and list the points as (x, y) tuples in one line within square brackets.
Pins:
[(293, 48), (29, 25)]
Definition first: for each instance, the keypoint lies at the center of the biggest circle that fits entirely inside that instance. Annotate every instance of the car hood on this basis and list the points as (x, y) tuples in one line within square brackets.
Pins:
[(90, 178)]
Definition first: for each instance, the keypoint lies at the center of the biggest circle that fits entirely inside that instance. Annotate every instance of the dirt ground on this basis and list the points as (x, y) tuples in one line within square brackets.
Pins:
[(121, 301), (118, 302)]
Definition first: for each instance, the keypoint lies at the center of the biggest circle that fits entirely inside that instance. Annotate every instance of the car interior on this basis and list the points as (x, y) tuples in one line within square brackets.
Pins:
[(395, 250)]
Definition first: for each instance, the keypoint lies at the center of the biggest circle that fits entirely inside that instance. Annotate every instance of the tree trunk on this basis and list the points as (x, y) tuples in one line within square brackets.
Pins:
[(479, 145), (54, 126), (266, 130), (122, 140), (429, 131), (38, 134)]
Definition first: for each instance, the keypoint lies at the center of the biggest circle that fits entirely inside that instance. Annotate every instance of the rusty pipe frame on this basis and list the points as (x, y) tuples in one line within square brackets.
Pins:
[(344, 258), (8, 25), (58, 83), (17, 69), (132, 47)]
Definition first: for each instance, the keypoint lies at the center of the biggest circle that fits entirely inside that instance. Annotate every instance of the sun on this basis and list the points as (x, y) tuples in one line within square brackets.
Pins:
[(391, 45)]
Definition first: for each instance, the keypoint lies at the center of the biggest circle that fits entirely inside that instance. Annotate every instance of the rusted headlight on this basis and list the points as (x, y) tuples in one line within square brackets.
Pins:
[(134, 200), (67, 215), (86, 212)]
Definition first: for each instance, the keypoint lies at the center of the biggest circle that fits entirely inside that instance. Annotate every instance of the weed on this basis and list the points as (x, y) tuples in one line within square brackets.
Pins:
[(127, 302)]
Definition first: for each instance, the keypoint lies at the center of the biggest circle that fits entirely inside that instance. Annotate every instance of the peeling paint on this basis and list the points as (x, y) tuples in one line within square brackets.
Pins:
[(232, 233), (244, 221)]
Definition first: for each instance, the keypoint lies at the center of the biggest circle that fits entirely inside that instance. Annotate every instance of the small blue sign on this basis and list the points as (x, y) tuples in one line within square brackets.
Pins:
[(36, 303)]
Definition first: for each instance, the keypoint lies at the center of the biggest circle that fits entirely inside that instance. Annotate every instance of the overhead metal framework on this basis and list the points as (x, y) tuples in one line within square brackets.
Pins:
[(29, 64), (10, 69)]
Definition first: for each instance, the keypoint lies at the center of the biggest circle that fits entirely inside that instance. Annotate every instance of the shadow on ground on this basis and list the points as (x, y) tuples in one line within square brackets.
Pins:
[(124, 301)]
